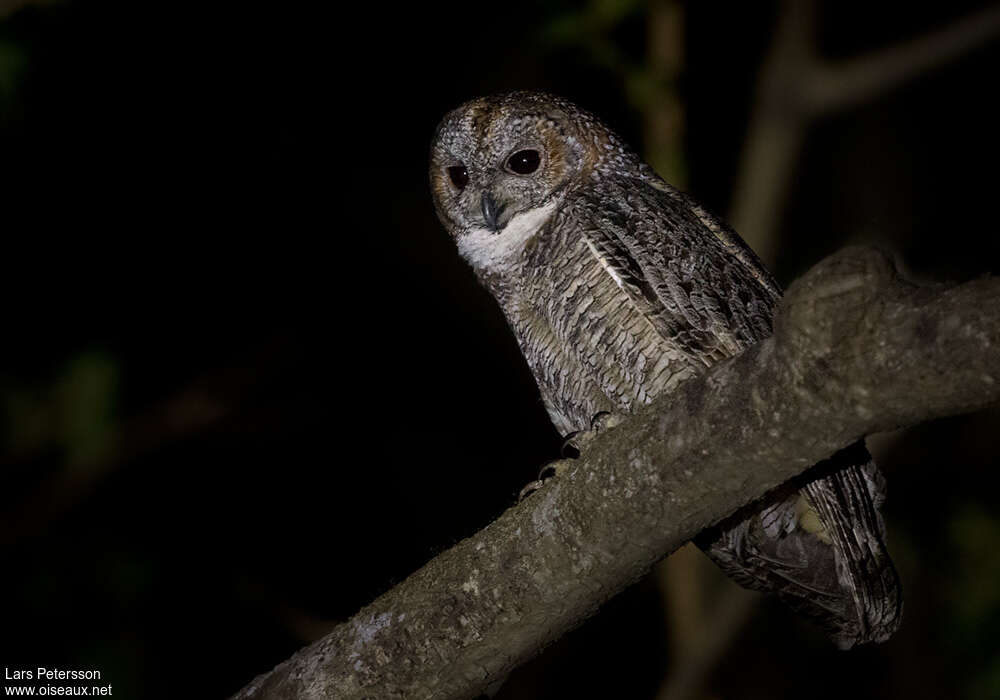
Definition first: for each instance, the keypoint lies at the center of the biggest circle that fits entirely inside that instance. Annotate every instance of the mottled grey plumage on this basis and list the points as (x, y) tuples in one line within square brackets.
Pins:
[(619, 287)]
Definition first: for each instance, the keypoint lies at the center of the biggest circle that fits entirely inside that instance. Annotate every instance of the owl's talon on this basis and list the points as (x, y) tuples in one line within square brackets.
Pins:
[(605, 420), (554, 469), (548, 471), (577, 442), (529, 489), (571, 448)]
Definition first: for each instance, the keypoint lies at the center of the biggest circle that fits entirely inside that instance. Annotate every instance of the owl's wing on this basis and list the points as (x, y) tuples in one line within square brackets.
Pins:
[(820, 549), (693, 279)]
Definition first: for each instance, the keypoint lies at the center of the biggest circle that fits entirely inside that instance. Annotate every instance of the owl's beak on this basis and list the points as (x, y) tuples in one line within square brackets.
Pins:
[(491, 211)]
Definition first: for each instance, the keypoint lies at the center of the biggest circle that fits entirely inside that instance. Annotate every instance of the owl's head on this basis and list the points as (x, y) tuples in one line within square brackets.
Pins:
[(500, 166)]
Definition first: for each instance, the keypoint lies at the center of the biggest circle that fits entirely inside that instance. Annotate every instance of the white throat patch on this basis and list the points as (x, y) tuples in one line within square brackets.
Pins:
[(490, 250)]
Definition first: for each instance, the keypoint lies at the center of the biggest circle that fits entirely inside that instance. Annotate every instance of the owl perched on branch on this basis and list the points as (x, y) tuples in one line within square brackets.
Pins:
[(618, 288)]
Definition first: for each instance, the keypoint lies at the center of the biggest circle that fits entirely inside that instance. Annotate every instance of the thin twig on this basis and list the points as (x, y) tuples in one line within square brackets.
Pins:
[(797, 87)]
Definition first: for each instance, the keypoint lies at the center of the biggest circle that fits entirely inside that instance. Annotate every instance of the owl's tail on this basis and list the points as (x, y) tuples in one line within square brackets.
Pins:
[(821, 550)]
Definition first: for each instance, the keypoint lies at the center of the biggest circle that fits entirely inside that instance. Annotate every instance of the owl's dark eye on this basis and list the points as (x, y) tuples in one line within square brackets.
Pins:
[(524, 162), (459, 176)]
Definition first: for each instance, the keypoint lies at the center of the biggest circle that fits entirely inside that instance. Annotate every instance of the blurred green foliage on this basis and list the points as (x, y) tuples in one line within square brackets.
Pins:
[(972, 619), (648, 66), (74, 412), (85, 397), (13, 63)]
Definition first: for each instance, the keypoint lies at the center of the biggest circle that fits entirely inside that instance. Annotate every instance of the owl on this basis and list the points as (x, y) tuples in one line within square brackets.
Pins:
[(619, 288)]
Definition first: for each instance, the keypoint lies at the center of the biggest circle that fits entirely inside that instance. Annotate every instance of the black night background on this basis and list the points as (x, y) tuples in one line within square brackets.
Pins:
[(247, 384)]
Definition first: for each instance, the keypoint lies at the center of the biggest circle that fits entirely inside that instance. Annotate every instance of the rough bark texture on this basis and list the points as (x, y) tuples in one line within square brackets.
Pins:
[(856, 350)]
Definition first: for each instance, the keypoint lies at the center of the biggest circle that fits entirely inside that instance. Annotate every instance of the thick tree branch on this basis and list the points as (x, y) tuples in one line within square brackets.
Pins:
[(856, 350)]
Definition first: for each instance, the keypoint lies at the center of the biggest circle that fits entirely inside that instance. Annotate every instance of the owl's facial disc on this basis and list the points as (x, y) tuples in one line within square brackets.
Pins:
[(494, 187), (494, 159)]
